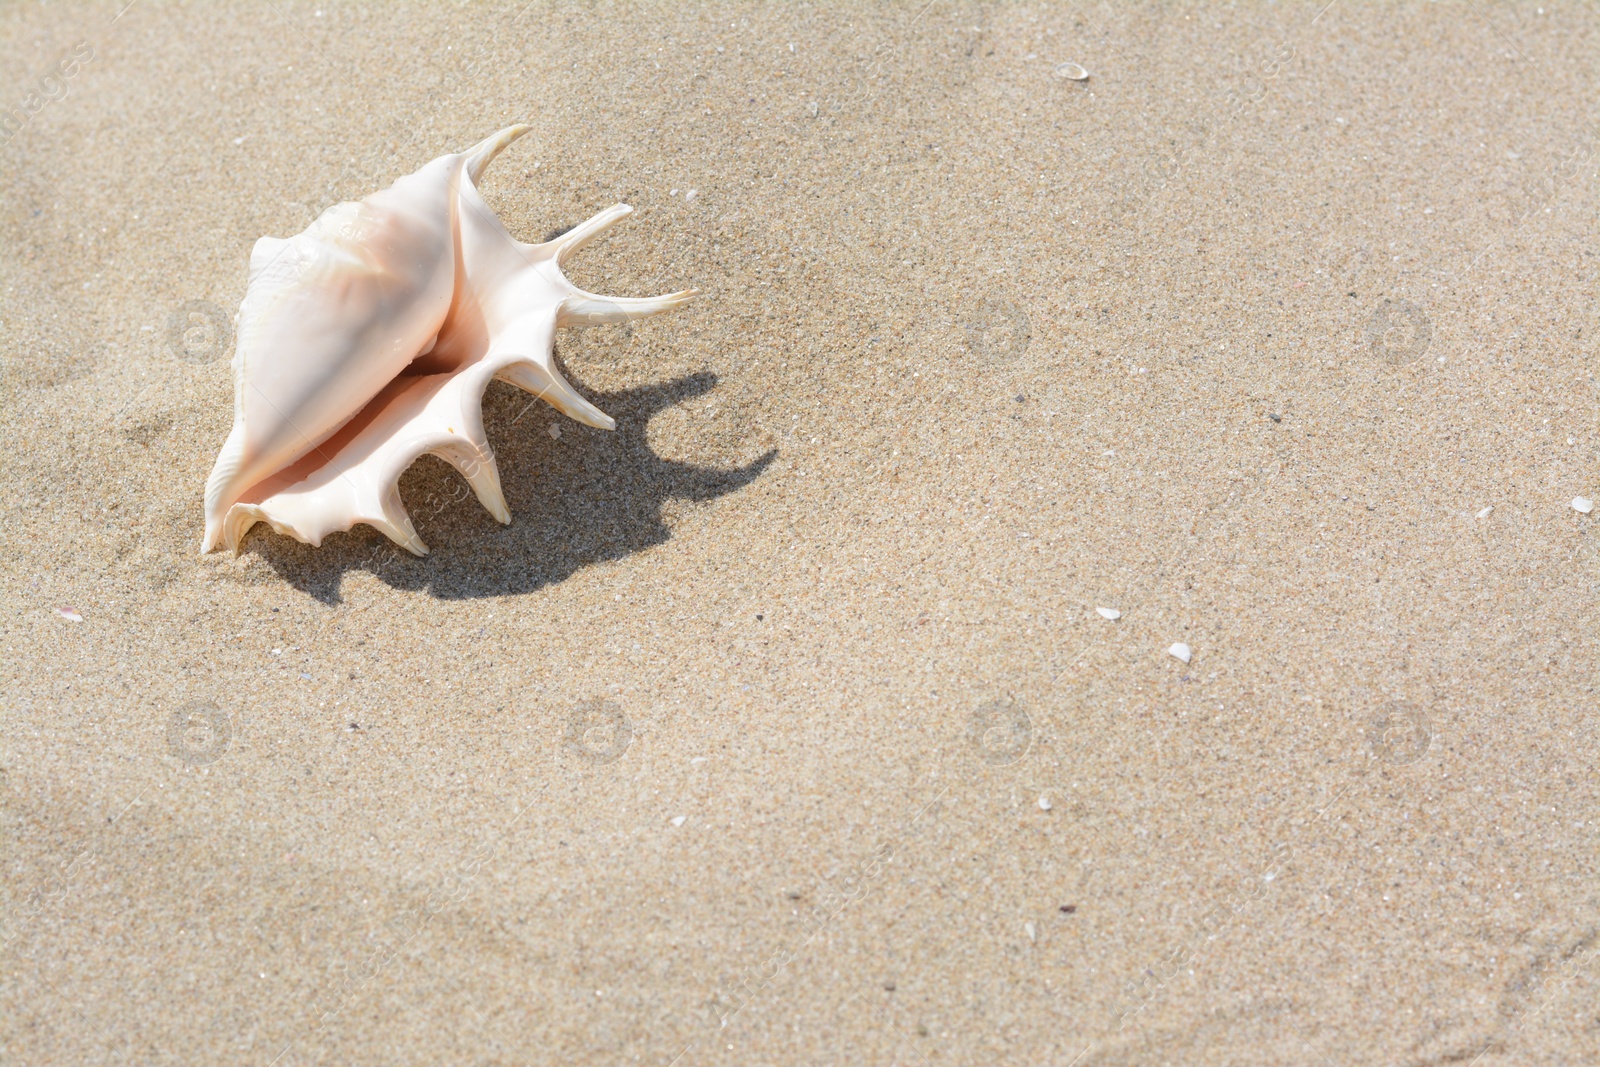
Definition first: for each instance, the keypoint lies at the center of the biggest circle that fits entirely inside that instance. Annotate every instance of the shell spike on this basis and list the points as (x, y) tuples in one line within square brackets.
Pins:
[(480, 155), (588, 309), (548, 384), (396, 524), (569, 243), (478, 467)]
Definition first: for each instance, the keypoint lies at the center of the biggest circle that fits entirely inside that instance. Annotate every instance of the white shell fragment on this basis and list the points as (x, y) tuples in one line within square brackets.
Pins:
[(1180, 651), (369, 340), (1486, 512), (1073, 71), (1583, 504), (1109, 613)]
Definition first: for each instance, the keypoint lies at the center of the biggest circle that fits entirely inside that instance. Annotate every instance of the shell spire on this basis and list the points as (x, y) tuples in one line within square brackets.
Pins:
[(369, 339)]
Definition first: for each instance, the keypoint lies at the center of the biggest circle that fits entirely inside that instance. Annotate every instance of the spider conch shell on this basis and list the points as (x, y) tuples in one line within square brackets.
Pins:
[(369, 339)]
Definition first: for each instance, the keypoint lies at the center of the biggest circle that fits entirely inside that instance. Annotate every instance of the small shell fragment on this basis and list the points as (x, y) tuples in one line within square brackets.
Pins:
[(1486, 512), (1582, 504), (1109, 613), (678, 820), (1071, 70), (1032, 931), (1044, 803), (70, 614), (1180, 651)]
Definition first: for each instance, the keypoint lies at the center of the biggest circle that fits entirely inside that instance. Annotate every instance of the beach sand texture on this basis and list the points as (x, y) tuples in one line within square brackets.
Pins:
[(781, 726)]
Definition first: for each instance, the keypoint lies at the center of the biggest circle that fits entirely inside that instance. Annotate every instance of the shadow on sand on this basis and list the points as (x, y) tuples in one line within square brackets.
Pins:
[(591, 496)]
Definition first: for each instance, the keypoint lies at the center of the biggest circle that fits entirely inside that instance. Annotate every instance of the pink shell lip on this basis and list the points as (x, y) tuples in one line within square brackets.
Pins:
[(369, 340)]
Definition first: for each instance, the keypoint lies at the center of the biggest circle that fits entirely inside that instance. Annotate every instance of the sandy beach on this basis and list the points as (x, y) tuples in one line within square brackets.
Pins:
[(830, 709)]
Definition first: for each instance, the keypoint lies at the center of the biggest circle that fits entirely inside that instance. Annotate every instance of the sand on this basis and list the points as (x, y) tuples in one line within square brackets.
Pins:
[(781, 726)]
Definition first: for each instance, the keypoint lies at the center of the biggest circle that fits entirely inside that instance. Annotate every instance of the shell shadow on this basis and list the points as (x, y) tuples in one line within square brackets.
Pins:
[(591, 496)]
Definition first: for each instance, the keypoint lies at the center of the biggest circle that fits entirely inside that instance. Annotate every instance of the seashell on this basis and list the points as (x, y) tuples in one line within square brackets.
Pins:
[(369, 340)]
